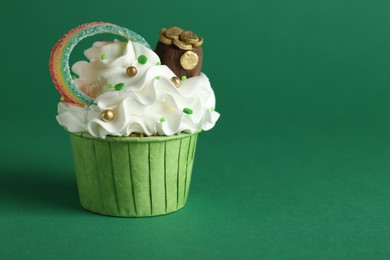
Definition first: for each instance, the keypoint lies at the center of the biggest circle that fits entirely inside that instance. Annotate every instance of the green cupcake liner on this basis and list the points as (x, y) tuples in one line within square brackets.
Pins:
[(133, 176)]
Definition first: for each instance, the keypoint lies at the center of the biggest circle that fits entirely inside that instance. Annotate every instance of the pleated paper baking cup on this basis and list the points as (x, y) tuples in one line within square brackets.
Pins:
[(133, 176)]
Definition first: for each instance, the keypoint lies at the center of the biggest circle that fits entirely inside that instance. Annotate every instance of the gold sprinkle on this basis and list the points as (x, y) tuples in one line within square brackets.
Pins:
[(137, 135), (189, 60), (176, 81), (107, 115), (131, 71)]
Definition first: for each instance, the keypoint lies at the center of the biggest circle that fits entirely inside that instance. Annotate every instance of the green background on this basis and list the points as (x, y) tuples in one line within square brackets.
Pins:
[(296, 168)]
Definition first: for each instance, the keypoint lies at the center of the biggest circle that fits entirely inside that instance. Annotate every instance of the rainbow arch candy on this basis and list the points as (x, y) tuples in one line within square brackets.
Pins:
[(59, 58)]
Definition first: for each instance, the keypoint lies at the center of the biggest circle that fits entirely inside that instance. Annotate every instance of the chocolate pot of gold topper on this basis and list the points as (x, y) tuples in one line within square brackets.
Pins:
[(181, 51)]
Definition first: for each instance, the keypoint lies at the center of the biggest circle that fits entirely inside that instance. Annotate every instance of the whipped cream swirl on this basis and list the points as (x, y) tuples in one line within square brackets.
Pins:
[(149, 102)]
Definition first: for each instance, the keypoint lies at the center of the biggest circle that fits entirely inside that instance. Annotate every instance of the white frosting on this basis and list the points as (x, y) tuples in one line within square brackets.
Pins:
[(147, 99)]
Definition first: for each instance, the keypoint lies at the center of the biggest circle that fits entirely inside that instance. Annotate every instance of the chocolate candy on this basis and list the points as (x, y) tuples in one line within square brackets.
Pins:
[(181, 51)]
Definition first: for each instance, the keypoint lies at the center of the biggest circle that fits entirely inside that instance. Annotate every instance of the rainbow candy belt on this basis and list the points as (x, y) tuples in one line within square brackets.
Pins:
[(59, 58)]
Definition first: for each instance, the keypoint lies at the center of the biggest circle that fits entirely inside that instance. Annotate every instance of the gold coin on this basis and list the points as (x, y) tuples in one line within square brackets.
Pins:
[(164, 39), (199, 43), (107, 115), (176, 81), (189, 37), (182, 45), (173, 32), (189, 60)]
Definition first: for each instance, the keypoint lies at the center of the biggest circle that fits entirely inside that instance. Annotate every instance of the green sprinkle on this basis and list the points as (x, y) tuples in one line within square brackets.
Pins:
[(212, 109), (163, 119), (158, 77), (75, 77), (142, 59), (183, 77), (187, 111), (111, 85), (119, 86), (158, 63), (103, 57)]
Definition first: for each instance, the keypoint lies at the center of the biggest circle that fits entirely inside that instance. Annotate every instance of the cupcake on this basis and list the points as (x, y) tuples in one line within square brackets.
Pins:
[(133, 116)]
